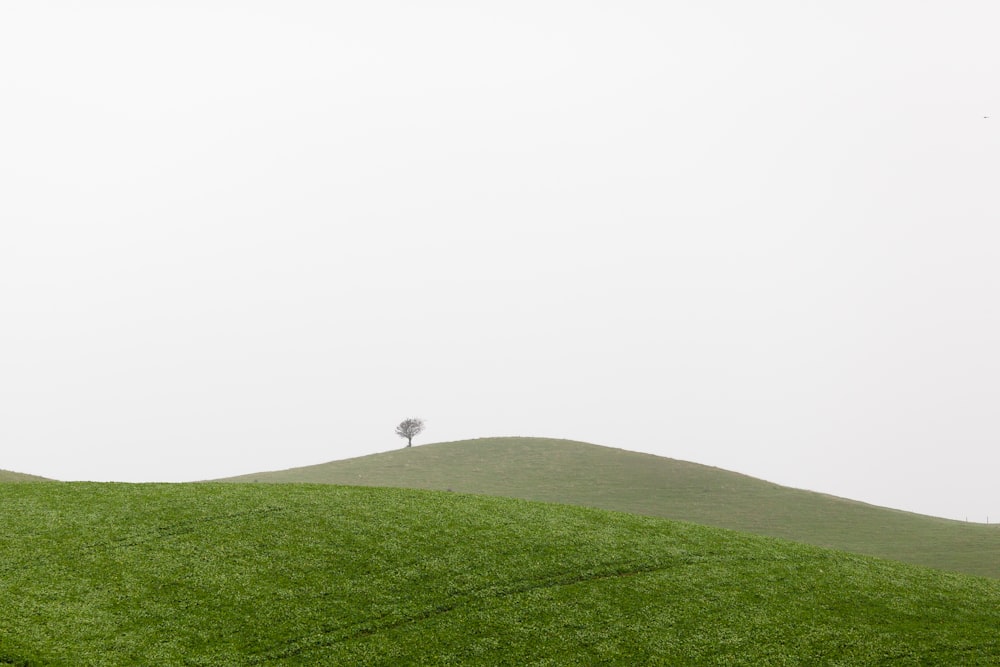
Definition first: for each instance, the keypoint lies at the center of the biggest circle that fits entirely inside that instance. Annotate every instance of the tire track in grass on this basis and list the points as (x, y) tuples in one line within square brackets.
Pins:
[(334, 635), (184, 527), (152, 534)]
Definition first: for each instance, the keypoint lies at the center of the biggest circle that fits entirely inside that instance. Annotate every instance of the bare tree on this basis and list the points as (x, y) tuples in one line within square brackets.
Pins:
[(409, 429)]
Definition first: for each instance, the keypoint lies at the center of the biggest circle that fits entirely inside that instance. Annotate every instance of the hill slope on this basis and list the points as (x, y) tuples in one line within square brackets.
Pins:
[(238, 574), (583, 474), (8, 476)]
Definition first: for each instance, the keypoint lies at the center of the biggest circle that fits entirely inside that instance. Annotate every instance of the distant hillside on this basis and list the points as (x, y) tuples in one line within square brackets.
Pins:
[(8, 476), (294, 574), (578, 473)]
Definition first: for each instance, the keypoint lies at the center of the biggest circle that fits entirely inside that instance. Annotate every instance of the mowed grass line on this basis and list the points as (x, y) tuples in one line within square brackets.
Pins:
[(240, 574), (578, 473)]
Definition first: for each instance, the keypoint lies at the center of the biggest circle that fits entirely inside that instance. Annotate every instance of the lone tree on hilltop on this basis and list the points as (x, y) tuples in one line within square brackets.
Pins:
[(409, 429)]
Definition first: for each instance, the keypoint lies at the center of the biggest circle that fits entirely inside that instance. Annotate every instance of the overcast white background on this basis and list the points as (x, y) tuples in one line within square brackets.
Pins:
[(241, 236)]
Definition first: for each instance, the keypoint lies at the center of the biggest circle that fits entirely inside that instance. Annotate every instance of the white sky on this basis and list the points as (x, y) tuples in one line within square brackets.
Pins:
[(240, 236)]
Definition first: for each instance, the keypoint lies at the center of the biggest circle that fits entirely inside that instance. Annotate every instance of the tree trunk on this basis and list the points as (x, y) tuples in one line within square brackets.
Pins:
[(409, 442)]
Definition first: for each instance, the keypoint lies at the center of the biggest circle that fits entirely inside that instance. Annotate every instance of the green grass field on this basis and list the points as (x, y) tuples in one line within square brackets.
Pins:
[(261, 574), (589, 475)]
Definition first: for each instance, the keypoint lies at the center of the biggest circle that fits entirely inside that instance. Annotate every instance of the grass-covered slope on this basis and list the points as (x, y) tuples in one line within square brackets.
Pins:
[(583, 474), (237, 574), (8, 476)]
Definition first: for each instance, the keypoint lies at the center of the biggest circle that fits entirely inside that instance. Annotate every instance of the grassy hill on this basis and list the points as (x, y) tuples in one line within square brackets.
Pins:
[(8, 476), (260, 574), (582, 474)]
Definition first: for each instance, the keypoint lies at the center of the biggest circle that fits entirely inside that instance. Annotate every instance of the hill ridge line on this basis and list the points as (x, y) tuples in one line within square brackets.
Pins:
[(586, 474)]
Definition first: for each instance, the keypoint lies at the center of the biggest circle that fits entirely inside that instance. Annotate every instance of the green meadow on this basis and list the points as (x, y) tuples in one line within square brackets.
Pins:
[(8, 476), (578, 473), (299, 574)]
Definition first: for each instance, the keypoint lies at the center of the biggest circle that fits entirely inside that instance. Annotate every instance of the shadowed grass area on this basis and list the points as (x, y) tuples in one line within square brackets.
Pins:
[(238, 574), (583, 474)]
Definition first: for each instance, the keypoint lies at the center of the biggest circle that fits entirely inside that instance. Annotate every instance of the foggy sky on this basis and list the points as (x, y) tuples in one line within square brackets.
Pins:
[(241, 236)]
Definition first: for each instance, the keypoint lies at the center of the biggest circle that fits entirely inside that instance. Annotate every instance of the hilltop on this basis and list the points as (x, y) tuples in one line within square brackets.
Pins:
[(292, 574), (589, 475)]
